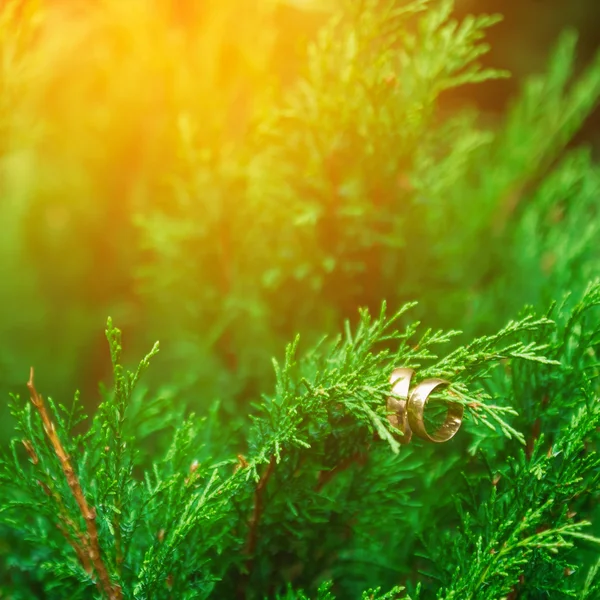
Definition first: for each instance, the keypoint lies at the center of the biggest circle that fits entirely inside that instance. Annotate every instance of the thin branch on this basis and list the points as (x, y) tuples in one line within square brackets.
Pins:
[(258, 506), (69, 529), (253, 522), (92, 546), (80, 548), (326, 476)]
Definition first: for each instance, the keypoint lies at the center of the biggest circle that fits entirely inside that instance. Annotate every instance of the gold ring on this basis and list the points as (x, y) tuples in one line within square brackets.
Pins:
[(400, 380), (415, 407)]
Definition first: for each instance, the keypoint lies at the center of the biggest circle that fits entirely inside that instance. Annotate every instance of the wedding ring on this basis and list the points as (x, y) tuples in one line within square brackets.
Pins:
[(415, 407), (400, 380)]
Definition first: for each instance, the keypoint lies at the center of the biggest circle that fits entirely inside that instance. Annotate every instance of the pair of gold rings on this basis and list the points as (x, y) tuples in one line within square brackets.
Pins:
[(407, 407)]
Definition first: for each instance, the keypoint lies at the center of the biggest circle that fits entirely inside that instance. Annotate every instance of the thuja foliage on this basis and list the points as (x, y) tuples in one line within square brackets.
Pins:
[(356, 185), (222, 195), (217, 187), (322, 490)]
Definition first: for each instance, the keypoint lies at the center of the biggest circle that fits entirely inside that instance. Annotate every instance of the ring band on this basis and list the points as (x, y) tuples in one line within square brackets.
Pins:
[(400, 380), (415, 407)]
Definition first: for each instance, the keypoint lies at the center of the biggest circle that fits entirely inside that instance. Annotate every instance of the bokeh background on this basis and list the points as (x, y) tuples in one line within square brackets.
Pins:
[(137, 182), (523, 41)]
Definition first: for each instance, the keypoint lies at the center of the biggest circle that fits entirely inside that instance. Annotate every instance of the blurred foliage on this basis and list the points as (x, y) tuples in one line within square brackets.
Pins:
[(223, 182), (521, 42)]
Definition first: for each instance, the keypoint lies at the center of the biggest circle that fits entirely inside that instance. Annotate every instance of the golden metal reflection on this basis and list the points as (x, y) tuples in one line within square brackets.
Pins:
[(408, 408), (400, 380)]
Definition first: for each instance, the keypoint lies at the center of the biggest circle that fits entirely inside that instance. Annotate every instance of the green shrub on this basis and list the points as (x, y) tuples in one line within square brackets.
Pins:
[(179, 167)]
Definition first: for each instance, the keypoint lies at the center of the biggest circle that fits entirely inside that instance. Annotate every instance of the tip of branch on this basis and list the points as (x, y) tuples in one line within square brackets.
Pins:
[(35, 397), (30, 384)]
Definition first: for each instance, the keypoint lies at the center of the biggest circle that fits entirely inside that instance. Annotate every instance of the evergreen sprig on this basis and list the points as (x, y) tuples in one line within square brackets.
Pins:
[(325, 411), (534, 496), (224, 197)]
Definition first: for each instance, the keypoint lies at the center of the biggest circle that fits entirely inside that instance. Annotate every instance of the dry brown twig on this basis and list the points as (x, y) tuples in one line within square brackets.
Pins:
[(90, 547), (69, 529)]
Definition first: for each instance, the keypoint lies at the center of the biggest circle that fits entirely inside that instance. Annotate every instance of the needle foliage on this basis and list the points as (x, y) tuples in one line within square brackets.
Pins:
[(243, 191), (323, 488)]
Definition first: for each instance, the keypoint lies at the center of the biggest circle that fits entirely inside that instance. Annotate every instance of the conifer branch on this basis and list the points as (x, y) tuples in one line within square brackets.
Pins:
[(80, 548), (254, 521), (304, 214), (258, 507), (326, 476), (70, 530), (92, 544)]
